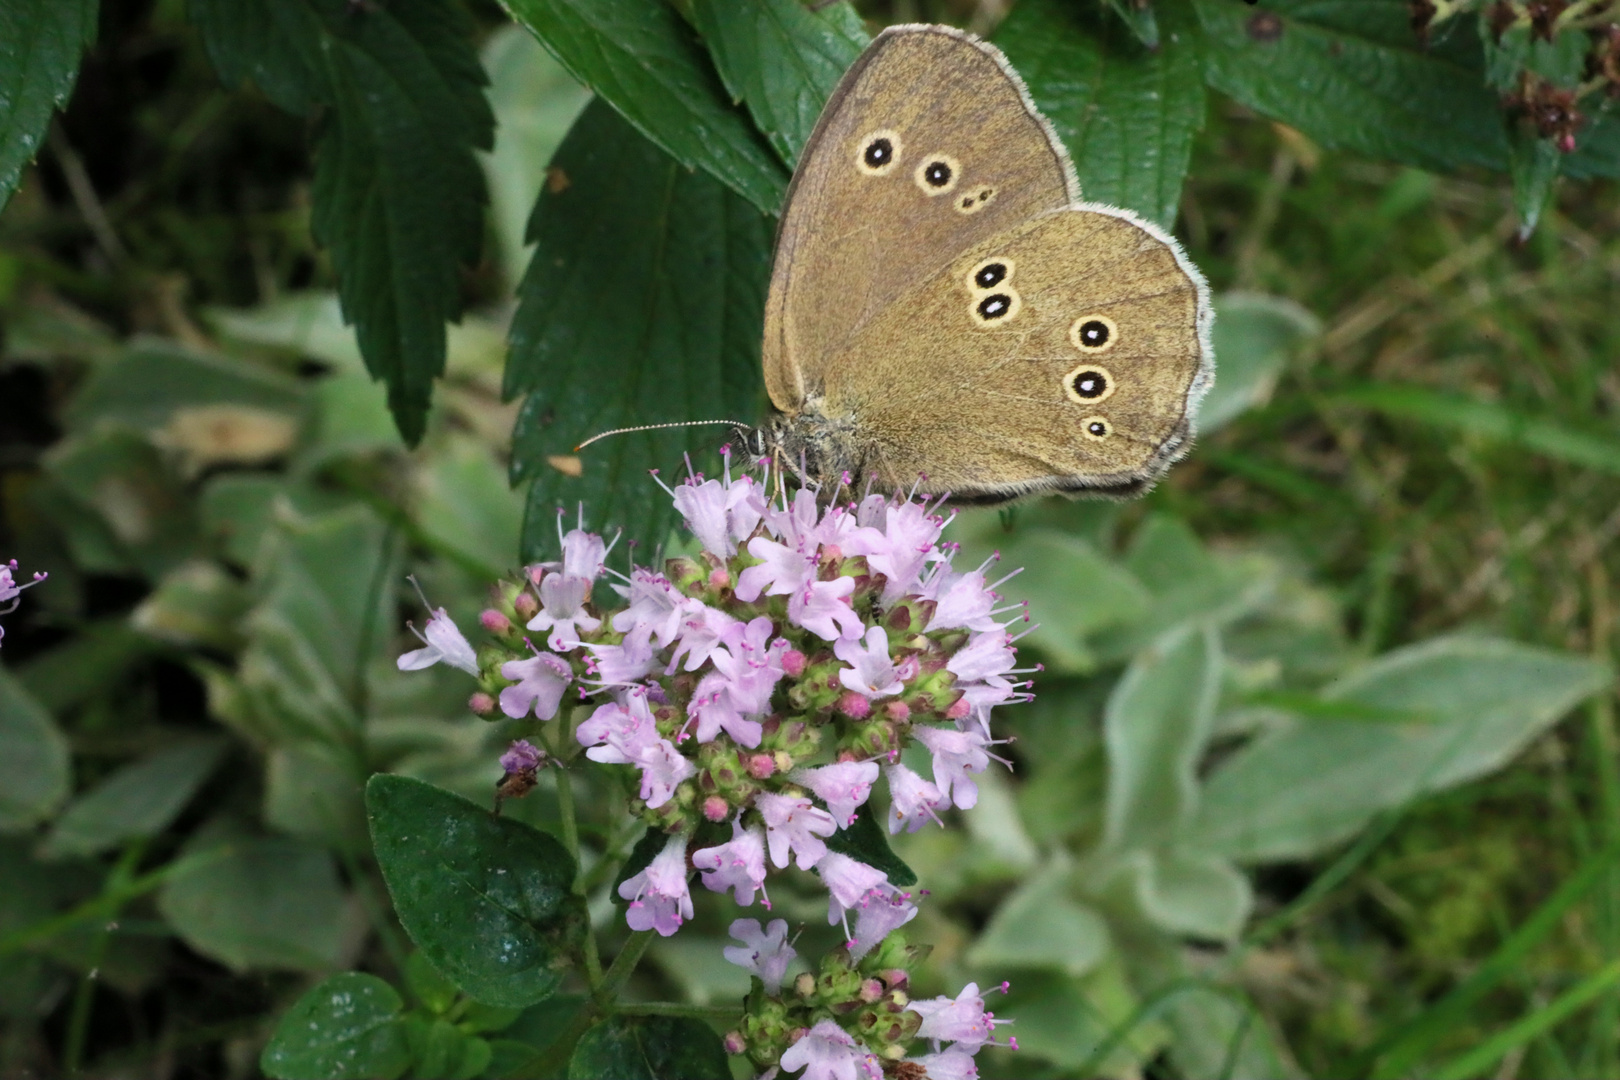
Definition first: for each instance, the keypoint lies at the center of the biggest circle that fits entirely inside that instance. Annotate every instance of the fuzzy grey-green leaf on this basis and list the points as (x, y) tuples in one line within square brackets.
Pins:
[(346, 1028)]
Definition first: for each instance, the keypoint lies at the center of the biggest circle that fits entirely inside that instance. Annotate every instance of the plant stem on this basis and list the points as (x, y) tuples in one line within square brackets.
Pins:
[(624, 965), (113, 891)]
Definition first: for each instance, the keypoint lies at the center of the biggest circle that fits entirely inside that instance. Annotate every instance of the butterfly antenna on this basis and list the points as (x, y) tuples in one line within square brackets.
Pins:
[(657, 427)]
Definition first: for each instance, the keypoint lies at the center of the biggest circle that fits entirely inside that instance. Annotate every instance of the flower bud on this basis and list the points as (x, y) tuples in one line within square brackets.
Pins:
[(805, 985), (716, 809), (526, 606), (719, 579), (481, 704), (495, 622), (735, 1043), (793, 662), (761, 766), (854, 705), (871, 990)]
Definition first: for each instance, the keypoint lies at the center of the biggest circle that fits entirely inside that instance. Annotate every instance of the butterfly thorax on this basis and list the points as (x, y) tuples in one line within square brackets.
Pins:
[(822, 450)]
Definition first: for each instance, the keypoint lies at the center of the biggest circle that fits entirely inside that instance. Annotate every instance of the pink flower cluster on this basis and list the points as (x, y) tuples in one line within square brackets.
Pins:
[(770, 683), (10, 591)]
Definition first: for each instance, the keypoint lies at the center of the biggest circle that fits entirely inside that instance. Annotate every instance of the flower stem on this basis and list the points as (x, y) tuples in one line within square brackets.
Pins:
[(624, 965)]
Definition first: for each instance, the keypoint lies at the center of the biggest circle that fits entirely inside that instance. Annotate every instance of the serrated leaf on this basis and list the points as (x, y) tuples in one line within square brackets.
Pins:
[(261, 903), (486, 899), (139, 799), (649, 1048), (34, 761), (1155, 727), (1351, 74), (349, 1026), (865, 841), (1597, 147), (1561, 60), (643, 304), (41, 42), (398, 196), (643, 60), (1127, 114), (781, 60), (259, 41), (1292, 793)]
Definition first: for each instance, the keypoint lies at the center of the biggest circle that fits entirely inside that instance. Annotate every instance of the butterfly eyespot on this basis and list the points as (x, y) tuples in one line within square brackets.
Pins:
[(1093, 333), (877, 152), (1096, 427), (997, 307), (989, 273), (937, 174), (1088, 384)]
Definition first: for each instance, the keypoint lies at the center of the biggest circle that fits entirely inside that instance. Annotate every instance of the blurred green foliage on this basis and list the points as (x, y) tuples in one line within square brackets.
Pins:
[(1294, 797)]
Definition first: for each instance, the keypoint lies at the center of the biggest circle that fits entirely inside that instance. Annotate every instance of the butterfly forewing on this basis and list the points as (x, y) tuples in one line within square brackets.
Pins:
[(928, 146)]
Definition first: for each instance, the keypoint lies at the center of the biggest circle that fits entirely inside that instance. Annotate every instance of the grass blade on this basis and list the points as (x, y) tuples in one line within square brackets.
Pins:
[(1542, 1020), (1400, 1050), (1488, 420)]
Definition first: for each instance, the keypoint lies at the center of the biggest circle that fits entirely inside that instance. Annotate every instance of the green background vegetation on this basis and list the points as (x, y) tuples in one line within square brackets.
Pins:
[(1321, 777)]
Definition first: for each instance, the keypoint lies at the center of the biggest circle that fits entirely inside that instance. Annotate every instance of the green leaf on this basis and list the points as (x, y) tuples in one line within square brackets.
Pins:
[(1139, 16), (34, 760), (1042, 927), (487, 899), (263, 903), (1597, 147), (1299, 790), (649, 1048), (427, 985), (40, 45), (464, 503), (781, 60), (1533, 165), (1202, 896), (644, 303), (1066, 1020), (327, 614), (1155, 727), (1586, 447), (139, 800), (1352, 75), (865, 840), (1254, 337), (260, 41), (535, 103), (398, 196), (311, 791), (444, 1052), (639, 56), (1561, 60), (1128, 115), (348, 1026), (149, 385), (196, 605)]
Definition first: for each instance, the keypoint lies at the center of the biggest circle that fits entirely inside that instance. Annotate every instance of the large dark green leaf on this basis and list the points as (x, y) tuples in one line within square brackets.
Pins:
[(641, 58), (1352, 74), (351, 1025), (40, 45), (1128, 115), (781, 60), (649, 1048), (398, 195), (487, 899), (1597, 148), (643, 304)]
